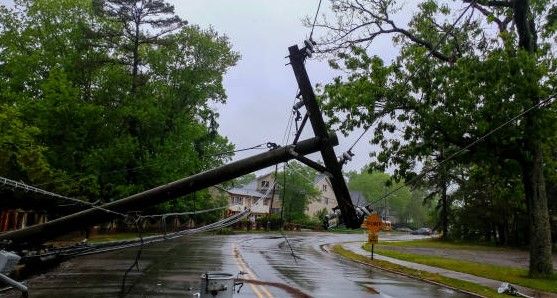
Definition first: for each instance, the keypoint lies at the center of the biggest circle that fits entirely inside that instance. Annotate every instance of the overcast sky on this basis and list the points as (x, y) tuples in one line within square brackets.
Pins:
[(260, 87)]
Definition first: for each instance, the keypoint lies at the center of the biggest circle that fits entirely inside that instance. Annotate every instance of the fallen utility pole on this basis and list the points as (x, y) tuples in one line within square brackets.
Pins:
[(297, 57), (38, 234)]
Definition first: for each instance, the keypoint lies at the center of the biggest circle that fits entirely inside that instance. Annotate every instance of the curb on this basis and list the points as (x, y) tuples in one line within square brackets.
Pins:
[(404, 274)]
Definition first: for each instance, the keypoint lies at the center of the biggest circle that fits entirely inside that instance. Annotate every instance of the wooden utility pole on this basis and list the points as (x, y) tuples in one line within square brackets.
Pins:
[(297, 57), (40, 233)]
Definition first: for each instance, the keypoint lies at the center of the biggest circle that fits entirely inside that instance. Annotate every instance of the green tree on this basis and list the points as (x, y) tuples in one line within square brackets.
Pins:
[(449, 86), (402, 204), (296, 187), (490, 206), (21, 156), (65, 78), (141, 23)]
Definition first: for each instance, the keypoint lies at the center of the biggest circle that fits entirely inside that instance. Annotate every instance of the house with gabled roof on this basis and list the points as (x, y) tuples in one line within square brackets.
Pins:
[(326, 198), (256, 195), (358, 199)]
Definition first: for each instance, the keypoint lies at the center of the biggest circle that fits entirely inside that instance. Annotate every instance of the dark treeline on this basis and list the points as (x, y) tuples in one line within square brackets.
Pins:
[(103, 99)]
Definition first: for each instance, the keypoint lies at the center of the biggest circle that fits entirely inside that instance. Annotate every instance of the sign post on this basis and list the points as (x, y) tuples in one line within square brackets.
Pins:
[(373, 224)]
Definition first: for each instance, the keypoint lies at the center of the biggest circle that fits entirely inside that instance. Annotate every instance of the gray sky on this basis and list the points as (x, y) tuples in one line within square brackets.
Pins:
[(260, 87)]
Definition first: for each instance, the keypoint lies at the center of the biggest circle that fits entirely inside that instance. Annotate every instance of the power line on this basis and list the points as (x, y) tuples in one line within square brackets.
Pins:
[(28, 188), (539, 104), (241, 150), (315, 20), (183, 213), (88, 249), (288, 128)]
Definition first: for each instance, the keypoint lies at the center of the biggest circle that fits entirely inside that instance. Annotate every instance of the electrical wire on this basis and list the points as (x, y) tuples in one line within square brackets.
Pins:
[(282, 213), (241, 150), (110, 246), (29, 188), (183, 213), (88, 249), (135, 262), (462, 150), (287, 130), (315, 20)]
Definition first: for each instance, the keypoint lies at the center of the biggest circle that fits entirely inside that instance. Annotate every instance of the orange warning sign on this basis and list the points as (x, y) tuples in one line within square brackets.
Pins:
[(373, 223)]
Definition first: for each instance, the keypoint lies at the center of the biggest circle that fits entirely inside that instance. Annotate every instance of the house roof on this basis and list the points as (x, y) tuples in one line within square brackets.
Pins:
[(318, 178), (264, 175), (245, 191), (358, 198), (321, 177)]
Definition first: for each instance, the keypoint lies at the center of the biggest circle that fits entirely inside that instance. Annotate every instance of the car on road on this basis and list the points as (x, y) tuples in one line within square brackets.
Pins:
[(404, 229), (422, 231)]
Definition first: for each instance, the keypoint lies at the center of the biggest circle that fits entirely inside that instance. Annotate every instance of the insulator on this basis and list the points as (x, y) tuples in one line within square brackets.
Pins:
[(346, 156), (309, 46), (309, 52), (272, 145), (298, 116), (298, 105)]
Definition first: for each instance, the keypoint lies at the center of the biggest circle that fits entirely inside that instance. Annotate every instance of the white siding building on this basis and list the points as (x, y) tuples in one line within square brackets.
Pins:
[(325, 200), (250, 196)]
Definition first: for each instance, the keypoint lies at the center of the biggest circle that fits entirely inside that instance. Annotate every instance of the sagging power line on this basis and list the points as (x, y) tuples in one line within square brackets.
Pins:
[(28, 188), (542, 103)]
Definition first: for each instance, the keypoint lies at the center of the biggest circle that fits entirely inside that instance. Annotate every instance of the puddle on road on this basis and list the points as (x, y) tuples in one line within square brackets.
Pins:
[(325, 275)]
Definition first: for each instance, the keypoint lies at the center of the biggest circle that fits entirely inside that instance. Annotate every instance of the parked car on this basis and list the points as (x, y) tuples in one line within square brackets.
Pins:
[(405, 229), (422, 231), (386, 227)]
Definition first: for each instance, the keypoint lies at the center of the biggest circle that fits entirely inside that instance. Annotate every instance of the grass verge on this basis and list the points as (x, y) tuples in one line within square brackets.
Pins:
[(437, 243), (512, 275), (422, 275), (452, 244), (343, 230), (115, 237)]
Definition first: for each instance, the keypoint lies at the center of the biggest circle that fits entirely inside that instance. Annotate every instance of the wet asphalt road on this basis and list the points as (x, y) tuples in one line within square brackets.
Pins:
[(173, 269)]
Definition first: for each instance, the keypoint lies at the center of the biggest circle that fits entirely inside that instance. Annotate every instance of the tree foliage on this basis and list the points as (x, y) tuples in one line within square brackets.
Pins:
[(405, 205), (461, 76), (96, 107), (297, 189)]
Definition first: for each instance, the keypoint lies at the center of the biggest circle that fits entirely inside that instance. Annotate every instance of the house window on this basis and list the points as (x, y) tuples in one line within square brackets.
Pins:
[(324, 187), (326, 201), (264, 183), (237, 200), (266, 202)]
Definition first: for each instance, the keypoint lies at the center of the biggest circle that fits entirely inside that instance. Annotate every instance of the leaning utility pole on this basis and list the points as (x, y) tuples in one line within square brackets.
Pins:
[(332, 166), (38, 234), (323, 142)]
